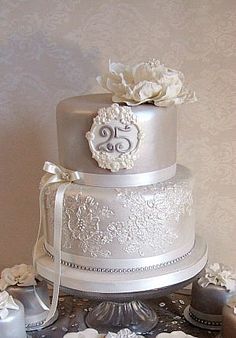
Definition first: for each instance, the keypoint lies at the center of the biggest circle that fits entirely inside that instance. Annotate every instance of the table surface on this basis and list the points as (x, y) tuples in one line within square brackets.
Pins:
[(72, 311)]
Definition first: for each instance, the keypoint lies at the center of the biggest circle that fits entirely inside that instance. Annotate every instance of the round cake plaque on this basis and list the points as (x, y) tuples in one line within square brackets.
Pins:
[(114, 138)]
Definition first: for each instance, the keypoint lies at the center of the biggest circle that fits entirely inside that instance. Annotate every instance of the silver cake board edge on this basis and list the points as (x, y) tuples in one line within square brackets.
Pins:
[(90, 281)]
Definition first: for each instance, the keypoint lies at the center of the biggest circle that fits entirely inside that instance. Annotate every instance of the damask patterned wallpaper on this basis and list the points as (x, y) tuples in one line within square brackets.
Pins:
[(53, 49)]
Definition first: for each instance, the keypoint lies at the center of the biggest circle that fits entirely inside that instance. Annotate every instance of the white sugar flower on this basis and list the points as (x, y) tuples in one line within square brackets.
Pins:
[(20, 275), (218, 274), (6, 302), (124, 333), (145, 82), (174, 334), (87, 333)]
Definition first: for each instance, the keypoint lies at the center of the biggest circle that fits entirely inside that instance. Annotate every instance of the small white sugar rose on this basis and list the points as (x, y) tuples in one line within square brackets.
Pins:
[(21, 275), (87, 333), (220, 275), (174, 334), (124, 333), (145, 82)]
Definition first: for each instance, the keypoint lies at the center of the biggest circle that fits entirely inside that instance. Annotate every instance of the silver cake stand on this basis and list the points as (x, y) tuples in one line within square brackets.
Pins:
[(119, 309)]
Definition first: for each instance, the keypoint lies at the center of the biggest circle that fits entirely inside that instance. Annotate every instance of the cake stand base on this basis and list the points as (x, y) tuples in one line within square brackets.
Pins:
[(125, 310), (120, 293), (114, 316)]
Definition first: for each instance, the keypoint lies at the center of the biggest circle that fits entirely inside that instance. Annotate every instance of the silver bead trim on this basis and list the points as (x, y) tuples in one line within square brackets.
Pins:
[(117, 270), (30, 325), (204, 322)]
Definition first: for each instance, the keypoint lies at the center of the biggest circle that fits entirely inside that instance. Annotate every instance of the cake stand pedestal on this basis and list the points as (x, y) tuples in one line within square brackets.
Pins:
[(125, 310), (121, 294), (114, 316)]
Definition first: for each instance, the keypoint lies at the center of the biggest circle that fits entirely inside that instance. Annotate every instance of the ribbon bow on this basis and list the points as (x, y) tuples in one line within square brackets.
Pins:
[(60, 174)]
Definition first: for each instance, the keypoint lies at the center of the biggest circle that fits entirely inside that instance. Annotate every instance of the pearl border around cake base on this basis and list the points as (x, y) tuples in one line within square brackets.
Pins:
[(41, 325), (207, 323), (118, 283)]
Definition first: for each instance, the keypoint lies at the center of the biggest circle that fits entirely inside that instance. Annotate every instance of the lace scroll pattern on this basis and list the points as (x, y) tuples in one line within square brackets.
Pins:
[(150, 219), (82, 218), (153, 212)]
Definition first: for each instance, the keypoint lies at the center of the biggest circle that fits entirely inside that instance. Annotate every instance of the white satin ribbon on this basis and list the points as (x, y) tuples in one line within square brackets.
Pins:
[(66, 177), (124, 264), (60, 174), (58, 220), (130, 180), (41, 303)]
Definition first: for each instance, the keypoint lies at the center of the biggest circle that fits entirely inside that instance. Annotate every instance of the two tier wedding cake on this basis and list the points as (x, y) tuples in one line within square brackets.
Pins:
[(117, 213)]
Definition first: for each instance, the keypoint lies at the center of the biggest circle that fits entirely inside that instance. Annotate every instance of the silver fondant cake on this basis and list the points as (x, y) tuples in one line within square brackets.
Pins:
[(22, 283), (117, 212), (32, 298), (12, 321)]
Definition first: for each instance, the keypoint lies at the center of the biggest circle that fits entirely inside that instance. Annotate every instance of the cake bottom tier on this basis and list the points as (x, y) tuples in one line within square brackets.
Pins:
[(129, 228), (125, 282)]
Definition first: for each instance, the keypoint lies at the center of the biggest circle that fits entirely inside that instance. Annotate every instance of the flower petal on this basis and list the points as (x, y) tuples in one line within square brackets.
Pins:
[(146, 90), (145, 82)]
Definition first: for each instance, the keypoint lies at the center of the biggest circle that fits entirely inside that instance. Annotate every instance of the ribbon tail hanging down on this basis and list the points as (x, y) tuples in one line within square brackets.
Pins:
[(58, 220), (65, 177)]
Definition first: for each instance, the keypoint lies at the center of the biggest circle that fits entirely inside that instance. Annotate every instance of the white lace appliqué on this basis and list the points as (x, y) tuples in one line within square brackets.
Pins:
[(152, 214), (152, 218)]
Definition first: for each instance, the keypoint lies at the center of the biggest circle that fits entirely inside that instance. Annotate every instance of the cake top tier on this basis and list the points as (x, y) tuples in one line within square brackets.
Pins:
[(96, 136), (131, 131)]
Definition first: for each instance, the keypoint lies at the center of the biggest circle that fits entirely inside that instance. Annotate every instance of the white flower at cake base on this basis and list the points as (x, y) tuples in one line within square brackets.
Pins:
[(219, 275), (87, 333), (124, 333), (20, 275), (6, 303), (174, 334), (149, 82)]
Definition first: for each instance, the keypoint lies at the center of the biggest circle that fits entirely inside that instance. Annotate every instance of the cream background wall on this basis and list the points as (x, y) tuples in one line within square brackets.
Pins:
[(53, 49)]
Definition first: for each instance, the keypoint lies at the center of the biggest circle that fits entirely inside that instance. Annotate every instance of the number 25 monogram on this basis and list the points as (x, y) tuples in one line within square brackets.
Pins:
[(115, 139)]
